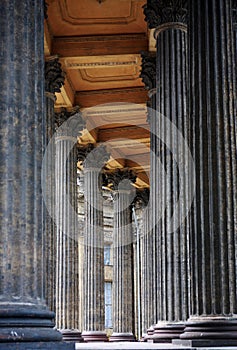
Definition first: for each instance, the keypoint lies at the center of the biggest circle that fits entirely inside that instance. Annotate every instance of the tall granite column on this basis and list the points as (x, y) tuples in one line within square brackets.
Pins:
[(24, 316), (234, 18), (94, 309), (141, 201), (169, 18), (148, 75), (54, 79), (69, 125), (213, 320), (123, 289)]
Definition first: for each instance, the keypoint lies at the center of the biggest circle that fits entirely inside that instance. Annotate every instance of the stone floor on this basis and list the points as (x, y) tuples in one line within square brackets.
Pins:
[(140, 346)]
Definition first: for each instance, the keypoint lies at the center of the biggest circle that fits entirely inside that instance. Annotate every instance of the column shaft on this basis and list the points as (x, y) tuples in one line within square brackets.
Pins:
[(123, 289), (54, 79), (213, 142), (67, 284), (23, 312), (94, 310), (148, 75), (169, 186)]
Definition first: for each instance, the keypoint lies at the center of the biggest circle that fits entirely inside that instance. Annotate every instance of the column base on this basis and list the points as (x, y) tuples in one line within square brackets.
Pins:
[(117, 337), (166, 332), (209, 331), (94, 336), (27, 323), (37, 345), (150, 333), (71, 335)]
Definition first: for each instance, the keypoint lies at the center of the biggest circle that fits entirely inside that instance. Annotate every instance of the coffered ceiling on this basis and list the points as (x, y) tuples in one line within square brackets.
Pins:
[(99, 43)]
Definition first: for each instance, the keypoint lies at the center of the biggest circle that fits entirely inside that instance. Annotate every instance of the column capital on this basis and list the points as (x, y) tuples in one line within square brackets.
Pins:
[(67, 126), (165, 12), (83, 151), (94, 157), (148, 70), (141, 199), (54, 75), (121, 179)]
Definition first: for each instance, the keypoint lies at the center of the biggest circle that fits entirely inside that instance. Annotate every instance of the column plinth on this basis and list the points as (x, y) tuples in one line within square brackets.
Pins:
[(213, 231), (24, 316), (170, 240), (93, 290), (123, 289)]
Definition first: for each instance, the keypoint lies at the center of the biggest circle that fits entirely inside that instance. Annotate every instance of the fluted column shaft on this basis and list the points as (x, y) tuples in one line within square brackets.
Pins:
[(54, 79), (94, 309), (171, 239), (141, 201), (23, 312), (123, 289), (234, 18), (213, 144), (148, 75), (67, 285)]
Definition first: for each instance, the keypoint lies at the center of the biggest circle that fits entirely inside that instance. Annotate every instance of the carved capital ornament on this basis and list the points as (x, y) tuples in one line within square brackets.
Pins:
[(166, 14)]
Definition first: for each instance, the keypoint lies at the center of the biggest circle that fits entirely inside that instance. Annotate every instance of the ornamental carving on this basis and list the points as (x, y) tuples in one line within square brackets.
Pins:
[(54, 76), (121, 179), (158, 12), (96, 158), (148, 70), (142, 198), (83, 151), (69, 123)]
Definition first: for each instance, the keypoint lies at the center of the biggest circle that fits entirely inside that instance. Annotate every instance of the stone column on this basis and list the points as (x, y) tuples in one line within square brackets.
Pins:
[(94, 310), (24, 317), (234, 18), (141, 201), (54, 79), (169, 19), (213, 320), (148, 75), (69, 125), (123, 289)]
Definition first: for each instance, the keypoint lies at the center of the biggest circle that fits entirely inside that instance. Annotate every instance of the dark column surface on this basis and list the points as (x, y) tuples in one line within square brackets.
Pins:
[(69, 125), (148, 75), (213, 235), (169, 18), (234, 17), (94, 310), (123, 312), (54, 79), (23, 312)]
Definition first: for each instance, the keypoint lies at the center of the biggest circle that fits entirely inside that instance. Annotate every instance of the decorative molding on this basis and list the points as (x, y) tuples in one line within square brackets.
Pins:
[(159, 12), (84, 65), (73, 20), (148, 70), (54, 76)]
